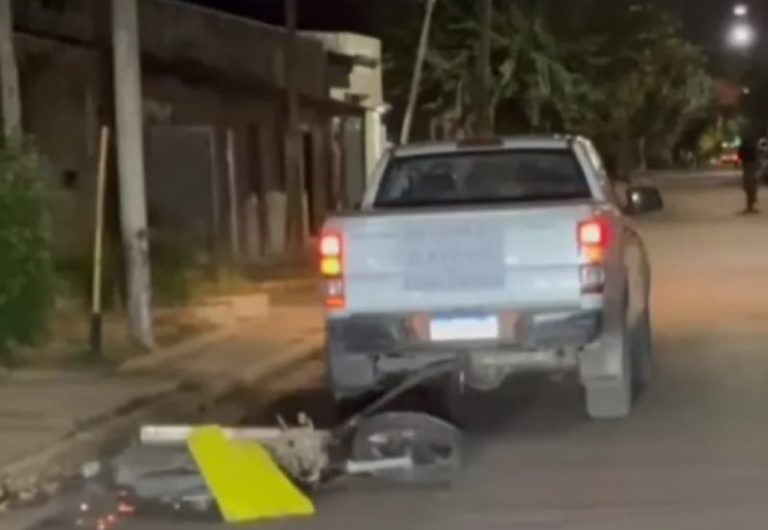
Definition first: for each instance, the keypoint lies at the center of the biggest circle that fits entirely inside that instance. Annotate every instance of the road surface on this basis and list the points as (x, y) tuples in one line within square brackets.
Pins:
[(693, 456)]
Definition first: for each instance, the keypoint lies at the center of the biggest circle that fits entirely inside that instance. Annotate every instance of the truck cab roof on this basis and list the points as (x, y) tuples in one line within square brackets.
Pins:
[(477, 144)]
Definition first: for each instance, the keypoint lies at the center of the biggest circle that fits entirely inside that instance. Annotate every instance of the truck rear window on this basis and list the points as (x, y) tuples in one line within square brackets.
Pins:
[(485, 177)]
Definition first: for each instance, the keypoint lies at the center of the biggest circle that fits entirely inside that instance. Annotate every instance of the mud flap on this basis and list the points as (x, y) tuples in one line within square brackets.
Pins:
[(603, 361), (607, 377)]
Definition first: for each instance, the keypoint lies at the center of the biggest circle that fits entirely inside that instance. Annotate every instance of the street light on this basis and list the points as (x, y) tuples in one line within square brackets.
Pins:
[(741, 10), (742, 35)]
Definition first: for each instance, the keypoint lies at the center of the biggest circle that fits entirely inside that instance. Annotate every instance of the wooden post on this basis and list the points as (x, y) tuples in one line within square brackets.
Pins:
[(9, 76), (98, 245), (234, 212)]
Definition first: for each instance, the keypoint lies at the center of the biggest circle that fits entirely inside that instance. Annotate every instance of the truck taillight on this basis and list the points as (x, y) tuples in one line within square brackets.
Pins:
[(330, 245), (592, 279), (594, 236), (332, 269)]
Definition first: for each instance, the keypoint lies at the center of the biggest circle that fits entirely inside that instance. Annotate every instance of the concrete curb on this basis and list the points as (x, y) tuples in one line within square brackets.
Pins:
[(34, 474), (156, 359), (190, 347), (276, 286)]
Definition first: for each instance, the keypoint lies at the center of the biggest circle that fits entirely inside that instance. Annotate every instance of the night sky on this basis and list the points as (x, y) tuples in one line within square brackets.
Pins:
[(703, 19), (332, 15), (707, 20)]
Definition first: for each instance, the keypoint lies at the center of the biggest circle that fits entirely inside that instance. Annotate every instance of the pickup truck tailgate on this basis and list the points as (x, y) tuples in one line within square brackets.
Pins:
[(450, 260)]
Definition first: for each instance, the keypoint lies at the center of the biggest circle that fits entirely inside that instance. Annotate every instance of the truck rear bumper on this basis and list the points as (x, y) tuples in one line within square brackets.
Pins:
[(372, 352)]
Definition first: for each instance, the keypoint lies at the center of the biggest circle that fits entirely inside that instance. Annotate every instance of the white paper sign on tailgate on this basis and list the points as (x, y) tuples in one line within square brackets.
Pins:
[(464, 328)]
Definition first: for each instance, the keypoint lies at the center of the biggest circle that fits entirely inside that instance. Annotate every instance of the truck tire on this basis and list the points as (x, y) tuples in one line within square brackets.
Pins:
[(612, 398), (642, 355)]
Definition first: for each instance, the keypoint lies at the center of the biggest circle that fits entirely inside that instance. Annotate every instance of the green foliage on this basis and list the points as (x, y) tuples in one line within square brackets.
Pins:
[(651, 83), (174, 271), (75, 277), (723, 131), (527, 67), (26, 271), (618, 71)]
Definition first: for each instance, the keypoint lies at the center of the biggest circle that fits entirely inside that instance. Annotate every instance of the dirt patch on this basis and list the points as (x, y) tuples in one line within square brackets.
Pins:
[(67, 342)]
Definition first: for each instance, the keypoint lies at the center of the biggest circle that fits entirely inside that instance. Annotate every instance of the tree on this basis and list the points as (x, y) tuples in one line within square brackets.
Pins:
[(618, 72), (640, 81), (533, 71), (526, 68)]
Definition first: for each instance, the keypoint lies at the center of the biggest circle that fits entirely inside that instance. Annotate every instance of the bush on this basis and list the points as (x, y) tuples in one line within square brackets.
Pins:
[(174, 271), (75, 277), (26, 265)]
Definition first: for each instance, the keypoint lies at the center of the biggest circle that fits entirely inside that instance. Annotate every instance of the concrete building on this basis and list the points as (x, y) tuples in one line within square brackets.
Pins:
[(214, 105), (364, 86)]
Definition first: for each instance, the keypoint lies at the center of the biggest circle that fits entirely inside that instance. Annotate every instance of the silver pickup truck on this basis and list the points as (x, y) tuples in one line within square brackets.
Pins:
[(507, 255)]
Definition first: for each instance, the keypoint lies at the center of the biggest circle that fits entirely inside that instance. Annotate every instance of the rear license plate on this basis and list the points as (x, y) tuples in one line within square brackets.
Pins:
[(461, 328)]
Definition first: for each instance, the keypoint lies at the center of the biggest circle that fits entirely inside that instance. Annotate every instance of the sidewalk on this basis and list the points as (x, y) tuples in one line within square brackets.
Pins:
[(53, 422)]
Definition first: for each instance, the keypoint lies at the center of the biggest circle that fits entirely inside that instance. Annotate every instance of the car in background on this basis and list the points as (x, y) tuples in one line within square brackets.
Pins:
[(730, 159)]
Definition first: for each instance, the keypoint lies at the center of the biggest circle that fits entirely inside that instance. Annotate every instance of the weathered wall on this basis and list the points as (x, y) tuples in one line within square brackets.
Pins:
[(59, 91), (182, 33), (69, 20), (201, 69), (258, 167), (366, 77), (364, 84)]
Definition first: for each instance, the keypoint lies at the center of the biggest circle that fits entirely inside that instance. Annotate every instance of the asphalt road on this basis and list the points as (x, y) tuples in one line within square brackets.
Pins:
[(694, 455)]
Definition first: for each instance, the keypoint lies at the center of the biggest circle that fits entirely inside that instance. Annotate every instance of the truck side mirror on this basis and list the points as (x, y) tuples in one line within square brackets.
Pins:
[(643, 199)]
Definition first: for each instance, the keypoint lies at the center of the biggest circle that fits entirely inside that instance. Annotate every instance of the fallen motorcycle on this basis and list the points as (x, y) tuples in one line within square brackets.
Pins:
[(396, 446)]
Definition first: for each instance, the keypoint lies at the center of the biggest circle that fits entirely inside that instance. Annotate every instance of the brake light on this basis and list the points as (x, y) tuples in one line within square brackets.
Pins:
[(594, 237), (332, 269), (330, 245)]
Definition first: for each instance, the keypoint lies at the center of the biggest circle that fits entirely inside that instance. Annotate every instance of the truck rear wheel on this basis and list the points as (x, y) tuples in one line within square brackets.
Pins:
[(642, 355)]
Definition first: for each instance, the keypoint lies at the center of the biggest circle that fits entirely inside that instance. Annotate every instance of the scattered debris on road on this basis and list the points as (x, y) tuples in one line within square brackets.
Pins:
[(250, 474)]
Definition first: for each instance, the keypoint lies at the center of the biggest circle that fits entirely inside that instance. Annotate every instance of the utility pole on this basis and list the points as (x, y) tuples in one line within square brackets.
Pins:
[(130, 158), (418, 69), (293, 178), (486, 127), (9, 76)]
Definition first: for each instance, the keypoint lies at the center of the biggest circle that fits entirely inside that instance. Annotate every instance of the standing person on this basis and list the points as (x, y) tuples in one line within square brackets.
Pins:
[(749, 168)]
